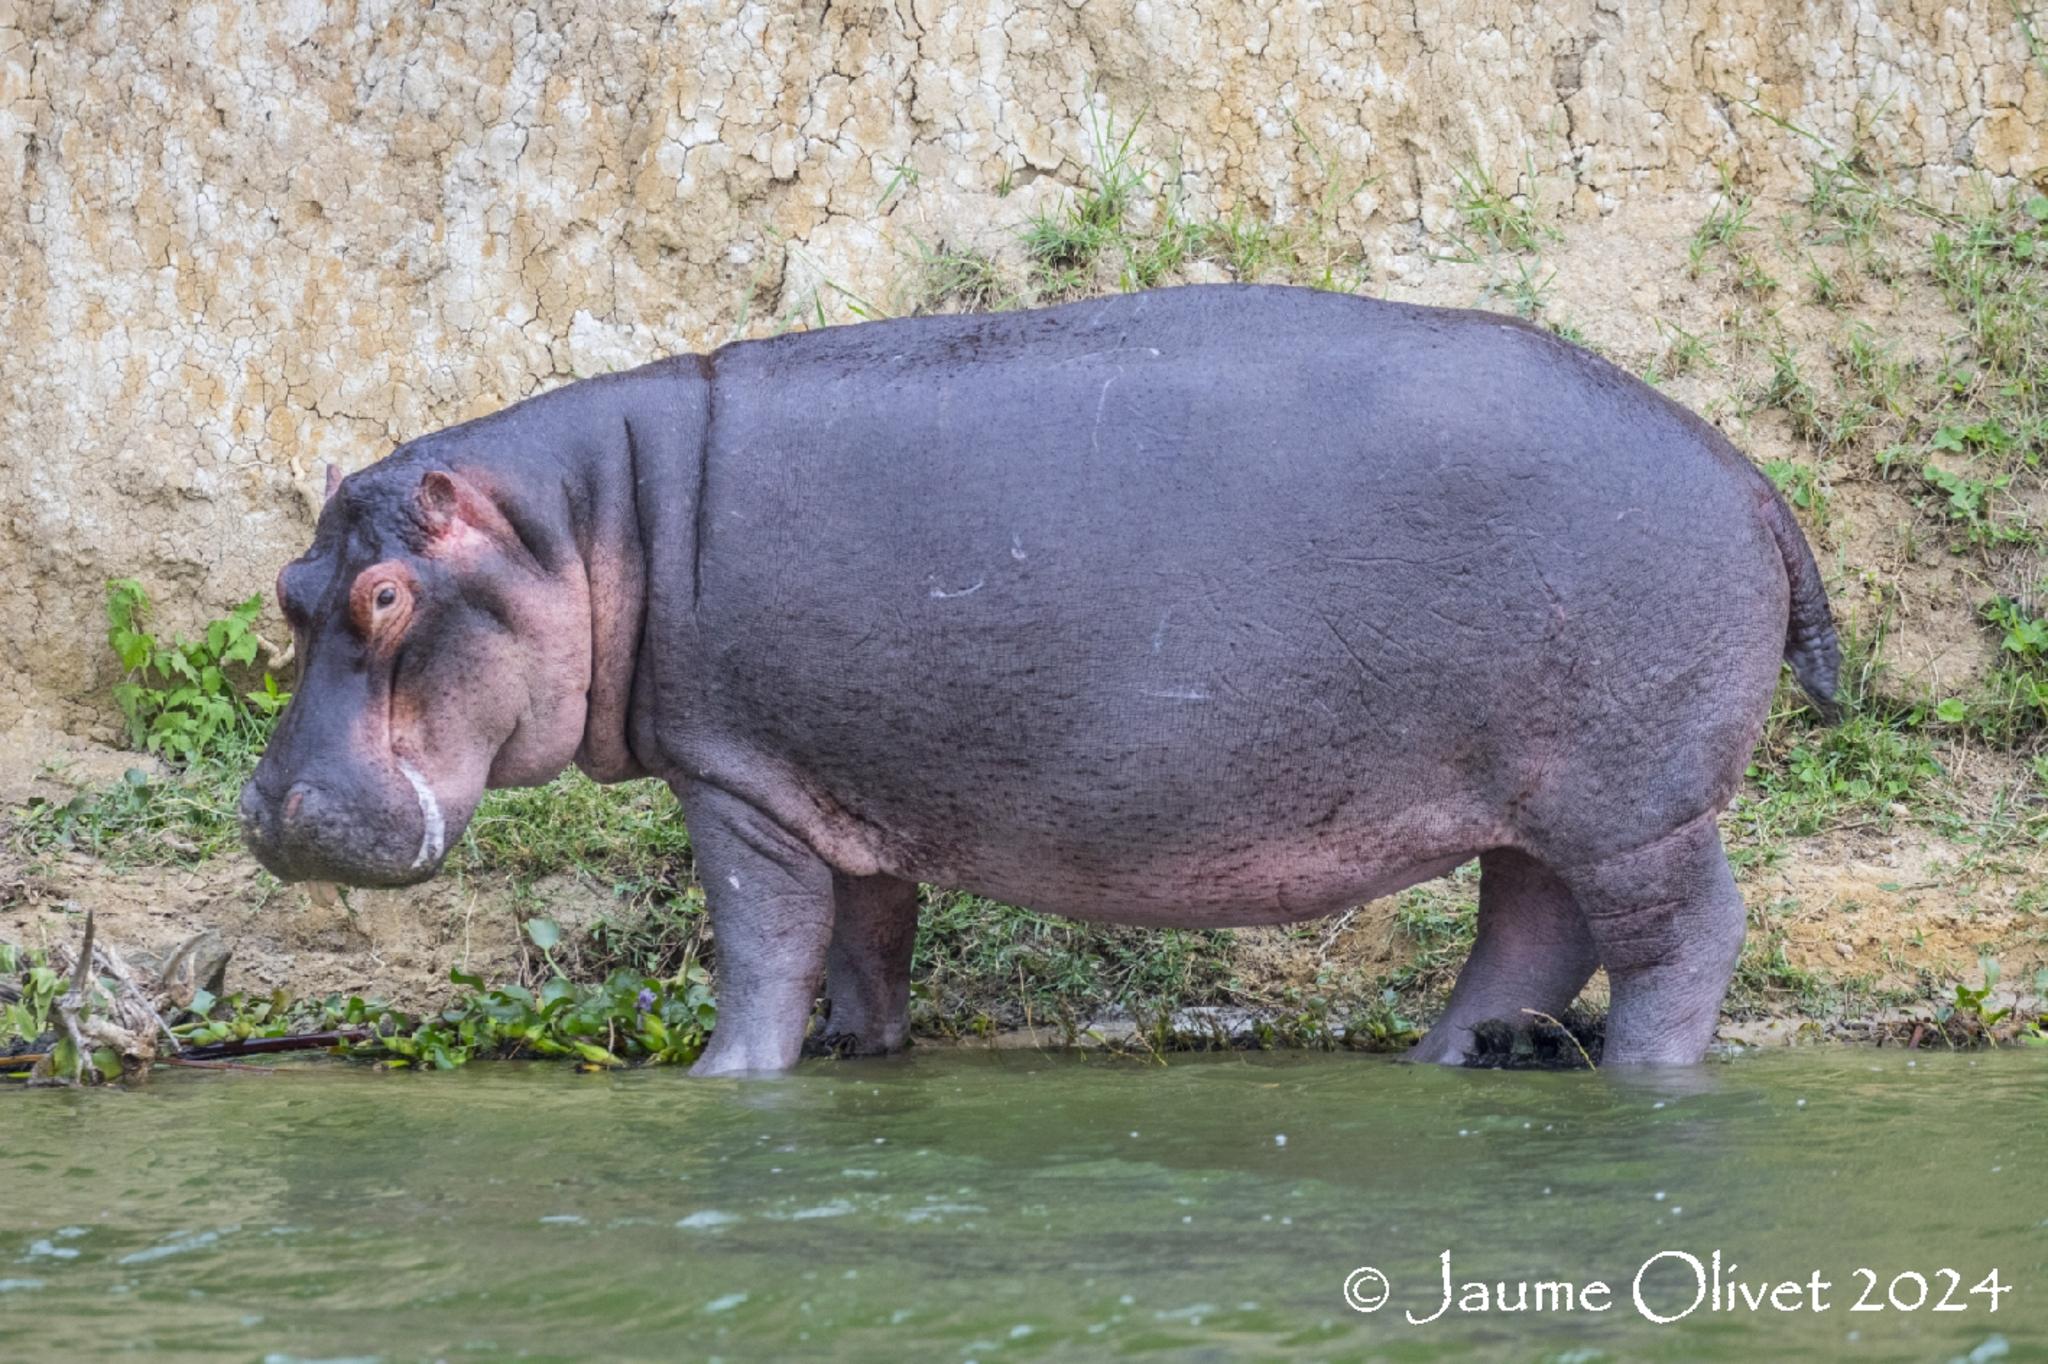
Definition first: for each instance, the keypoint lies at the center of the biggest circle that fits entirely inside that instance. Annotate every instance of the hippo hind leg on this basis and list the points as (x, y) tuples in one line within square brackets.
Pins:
[(867, 968), (1668, 923), (1534, 951)]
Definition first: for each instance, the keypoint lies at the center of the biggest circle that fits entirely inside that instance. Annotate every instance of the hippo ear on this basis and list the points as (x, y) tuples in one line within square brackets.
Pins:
[(333, 481), (449, 506), (459, 515)]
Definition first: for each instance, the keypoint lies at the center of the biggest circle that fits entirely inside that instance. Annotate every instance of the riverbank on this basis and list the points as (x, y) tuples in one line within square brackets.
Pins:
[(1881, 360), (1862, 931)]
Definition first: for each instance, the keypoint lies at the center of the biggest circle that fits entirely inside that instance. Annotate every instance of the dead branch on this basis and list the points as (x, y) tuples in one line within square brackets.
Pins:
[(264, 1046)]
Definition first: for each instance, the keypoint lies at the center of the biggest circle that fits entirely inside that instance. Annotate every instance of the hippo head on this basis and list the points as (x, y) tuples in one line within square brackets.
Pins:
[(444, 645)]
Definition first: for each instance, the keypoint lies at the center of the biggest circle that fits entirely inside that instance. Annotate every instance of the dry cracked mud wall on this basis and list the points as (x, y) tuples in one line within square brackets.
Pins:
[(241, 239)]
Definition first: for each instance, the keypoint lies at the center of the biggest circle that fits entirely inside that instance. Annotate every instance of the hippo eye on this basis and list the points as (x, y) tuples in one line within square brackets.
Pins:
[(379, 602)]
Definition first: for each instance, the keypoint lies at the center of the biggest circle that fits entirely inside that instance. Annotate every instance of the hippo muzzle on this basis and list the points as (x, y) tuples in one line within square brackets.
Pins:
[(359, 827)]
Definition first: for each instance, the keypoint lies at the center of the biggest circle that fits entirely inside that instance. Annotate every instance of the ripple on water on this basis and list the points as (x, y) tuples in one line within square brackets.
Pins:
[(707, 1219), (180, 1243), (996, 1200)]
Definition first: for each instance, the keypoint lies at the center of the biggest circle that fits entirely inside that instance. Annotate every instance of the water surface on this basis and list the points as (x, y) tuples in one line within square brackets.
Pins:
[(971, 1205)]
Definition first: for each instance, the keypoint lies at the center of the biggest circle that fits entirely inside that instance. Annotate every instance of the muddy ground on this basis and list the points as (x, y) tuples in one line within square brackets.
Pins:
[(1881, 923), (1851, 929)]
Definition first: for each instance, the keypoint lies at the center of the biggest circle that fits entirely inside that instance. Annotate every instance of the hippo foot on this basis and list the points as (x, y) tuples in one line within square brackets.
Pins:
[(1441, 1046), (846, 1045), (736, 1060), (1572, 1042)]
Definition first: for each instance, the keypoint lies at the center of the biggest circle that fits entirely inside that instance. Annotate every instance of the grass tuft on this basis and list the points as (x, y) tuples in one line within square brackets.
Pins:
[(1493, 220)]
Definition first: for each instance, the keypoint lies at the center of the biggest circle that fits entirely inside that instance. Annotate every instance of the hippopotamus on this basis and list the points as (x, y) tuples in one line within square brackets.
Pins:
[(1199, 607)]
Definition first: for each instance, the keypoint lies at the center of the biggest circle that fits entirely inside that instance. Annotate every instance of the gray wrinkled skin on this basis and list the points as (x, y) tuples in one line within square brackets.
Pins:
[(1200, 607)]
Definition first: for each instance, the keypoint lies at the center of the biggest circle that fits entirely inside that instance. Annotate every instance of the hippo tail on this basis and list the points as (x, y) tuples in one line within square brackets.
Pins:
[(1811, 647)]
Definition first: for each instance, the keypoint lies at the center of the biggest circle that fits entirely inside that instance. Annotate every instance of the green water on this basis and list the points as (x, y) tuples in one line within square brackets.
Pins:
[(969, 1205)]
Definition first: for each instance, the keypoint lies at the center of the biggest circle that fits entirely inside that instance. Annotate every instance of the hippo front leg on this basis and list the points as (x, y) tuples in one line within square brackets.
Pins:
[(867, 968), (771, 919)]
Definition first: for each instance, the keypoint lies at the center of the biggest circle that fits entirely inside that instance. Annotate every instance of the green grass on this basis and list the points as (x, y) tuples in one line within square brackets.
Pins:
[(1684, 353), (1850, 201), (1064, 244), (1865, 769), (142, 820), (1439, 921), (1830, 288), (957, 280), (1959, 439), (1980, 511), (1877, 760), (981, 964), (1986, 426), (1800, 485), (1991, 267), (1788, 389), (1868, 368), (1494, 221), (1724, 230), (1526, 291), (2010, 708), (630, 835), (1126, 226)]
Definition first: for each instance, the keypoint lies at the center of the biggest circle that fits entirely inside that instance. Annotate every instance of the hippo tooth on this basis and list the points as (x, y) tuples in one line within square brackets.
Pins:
[(430, 816)]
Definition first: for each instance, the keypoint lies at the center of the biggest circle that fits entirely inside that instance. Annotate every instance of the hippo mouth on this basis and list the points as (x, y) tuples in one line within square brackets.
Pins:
[(385, 830)]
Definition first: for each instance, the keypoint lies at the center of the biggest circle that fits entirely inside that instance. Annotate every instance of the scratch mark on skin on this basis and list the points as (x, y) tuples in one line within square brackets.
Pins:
[(432, 827), (1365, 668), (941, 594), (733, 880), (1366, 671), (1102, 401), (1017, 549), (1178, 694)]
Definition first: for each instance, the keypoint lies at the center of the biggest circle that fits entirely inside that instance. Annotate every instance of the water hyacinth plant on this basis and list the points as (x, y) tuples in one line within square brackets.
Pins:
[(629, 1018)]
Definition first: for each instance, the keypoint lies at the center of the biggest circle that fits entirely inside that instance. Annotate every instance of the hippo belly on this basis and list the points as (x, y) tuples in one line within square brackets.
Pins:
[(1213, 620)]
